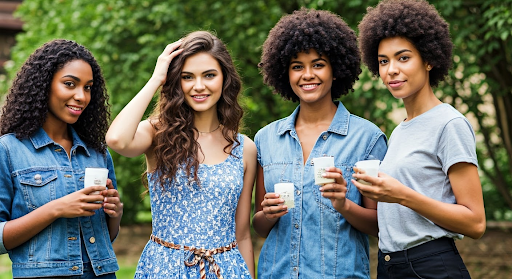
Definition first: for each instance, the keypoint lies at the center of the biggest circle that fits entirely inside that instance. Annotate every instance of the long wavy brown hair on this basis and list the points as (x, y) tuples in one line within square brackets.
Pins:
[(175, 139)]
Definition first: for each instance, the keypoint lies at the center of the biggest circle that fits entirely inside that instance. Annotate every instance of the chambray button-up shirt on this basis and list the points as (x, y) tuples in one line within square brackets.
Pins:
[(35, 171), (313, 240)]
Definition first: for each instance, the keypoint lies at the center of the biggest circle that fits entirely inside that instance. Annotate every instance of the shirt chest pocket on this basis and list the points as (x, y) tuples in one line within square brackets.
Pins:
[(38, 187), (277, 173)]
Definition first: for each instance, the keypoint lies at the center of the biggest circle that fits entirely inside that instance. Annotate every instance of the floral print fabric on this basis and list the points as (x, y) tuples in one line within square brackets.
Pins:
[(202, 216)]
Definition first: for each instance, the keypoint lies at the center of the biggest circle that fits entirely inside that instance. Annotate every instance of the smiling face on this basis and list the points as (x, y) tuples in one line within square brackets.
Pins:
[(402, 68), (311, 77), (201, 81), (70, 93)]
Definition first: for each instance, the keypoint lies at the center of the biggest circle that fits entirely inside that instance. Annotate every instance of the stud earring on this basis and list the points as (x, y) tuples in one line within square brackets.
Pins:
[(429, 67)]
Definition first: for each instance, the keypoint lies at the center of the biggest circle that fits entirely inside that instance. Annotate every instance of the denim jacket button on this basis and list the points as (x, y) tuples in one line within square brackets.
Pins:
[(75, 268), (99, 267), (387, 258), (92, 239), (38, 178), (296, 226), (324, 137), (72, 238), (297, 192)]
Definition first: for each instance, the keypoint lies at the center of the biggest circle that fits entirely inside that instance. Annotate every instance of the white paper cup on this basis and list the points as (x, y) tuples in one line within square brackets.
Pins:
[(370, 167), (95, 177), (321, 164), (286, 192)]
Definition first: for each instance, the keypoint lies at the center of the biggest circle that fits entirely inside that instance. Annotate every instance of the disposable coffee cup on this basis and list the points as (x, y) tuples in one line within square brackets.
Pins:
[(321, 164), (370, 167), (285, 191), (95, 177)]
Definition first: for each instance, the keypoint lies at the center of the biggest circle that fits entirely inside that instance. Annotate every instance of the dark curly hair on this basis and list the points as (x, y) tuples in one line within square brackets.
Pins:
[(418, 22), (26, 105), (301, 31), (175, 138)]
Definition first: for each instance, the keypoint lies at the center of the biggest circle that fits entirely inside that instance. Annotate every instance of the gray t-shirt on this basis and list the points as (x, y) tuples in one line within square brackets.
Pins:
[(420, 152)]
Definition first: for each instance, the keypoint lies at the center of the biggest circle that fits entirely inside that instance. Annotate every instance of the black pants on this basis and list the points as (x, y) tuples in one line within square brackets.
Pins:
[(436, 259)]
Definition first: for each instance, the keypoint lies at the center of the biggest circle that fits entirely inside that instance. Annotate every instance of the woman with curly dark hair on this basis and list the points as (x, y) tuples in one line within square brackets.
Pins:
[(312, 57), (200, 169), (428, 189), (52, 127)]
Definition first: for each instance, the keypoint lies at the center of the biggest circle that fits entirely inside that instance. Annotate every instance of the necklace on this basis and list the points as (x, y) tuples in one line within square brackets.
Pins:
[(210, 131)]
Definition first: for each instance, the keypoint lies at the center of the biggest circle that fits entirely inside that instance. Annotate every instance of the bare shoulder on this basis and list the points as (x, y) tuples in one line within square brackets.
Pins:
[(249, 147)]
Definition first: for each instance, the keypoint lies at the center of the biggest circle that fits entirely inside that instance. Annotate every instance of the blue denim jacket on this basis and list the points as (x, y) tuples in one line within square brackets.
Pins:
[(35, 171), (313, 240)]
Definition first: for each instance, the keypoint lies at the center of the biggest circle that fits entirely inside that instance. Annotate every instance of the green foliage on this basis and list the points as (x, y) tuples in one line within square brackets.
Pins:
[(127, 36)]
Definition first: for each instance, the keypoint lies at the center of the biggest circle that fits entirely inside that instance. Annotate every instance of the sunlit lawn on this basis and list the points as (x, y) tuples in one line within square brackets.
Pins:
[(125, 271)]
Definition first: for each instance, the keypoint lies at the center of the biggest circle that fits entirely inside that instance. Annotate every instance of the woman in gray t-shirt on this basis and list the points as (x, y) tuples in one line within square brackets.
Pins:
[(428, 189)]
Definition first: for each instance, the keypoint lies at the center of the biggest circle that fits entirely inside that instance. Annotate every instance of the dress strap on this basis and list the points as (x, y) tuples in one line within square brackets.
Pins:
[(239, 150)]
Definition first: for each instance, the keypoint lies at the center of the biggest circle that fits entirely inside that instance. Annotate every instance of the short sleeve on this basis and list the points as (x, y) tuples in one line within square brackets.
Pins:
[(257, 142), (379, 148), (457, 144)]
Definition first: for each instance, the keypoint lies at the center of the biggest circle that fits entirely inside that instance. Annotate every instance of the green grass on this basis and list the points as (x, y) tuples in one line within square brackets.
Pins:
[(125, 271), (5, 267)]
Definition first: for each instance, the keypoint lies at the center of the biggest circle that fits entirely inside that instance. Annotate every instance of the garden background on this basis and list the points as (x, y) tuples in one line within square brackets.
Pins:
[(126, 37)]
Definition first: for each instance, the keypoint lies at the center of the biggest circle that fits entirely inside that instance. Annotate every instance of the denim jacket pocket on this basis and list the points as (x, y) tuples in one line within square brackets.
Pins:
[(38, 186), (276, 173), (325, 202)]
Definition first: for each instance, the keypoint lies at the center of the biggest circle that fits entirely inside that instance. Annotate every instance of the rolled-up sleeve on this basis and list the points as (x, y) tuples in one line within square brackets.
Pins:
[(2, 246)]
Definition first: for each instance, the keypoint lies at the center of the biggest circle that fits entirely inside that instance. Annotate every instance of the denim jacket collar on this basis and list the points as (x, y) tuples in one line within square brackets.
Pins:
[(41, 139), (339, 124)]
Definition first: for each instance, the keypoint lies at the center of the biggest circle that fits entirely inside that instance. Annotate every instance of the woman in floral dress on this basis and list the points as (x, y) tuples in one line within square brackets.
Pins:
[(200, 169)]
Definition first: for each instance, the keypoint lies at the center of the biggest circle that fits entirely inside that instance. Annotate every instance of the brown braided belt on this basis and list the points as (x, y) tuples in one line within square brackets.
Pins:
[(200, 255)]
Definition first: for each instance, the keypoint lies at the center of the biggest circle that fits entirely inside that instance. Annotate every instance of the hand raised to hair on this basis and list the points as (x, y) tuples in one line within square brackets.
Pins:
[(164, 60)]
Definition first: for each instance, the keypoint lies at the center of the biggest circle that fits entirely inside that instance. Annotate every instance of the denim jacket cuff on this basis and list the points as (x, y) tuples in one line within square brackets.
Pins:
[(2, 247)]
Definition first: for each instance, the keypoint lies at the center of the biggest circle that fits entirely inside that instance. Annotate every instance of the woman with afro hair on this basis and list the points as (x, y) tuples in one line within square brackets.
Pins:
[(52, 127), (311, 57), (428, 189)]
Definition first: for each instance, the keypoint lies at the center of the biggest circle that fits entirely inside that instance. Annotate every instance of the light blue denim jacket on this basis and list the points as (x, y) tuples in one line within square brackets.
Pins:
[(313, 240), (35, 171)]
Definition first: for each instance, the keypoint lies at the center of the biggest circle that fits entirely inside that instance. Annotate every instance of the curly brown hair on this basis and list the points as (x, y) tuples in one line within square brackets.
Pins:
[(415, 20), (175, 138), (301, 31), (26, 105)]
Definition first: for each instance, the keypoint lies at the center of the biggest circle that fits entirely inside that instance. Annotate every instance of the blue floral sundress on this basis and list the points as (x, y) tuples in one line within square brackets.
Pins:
[(198, 216)]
